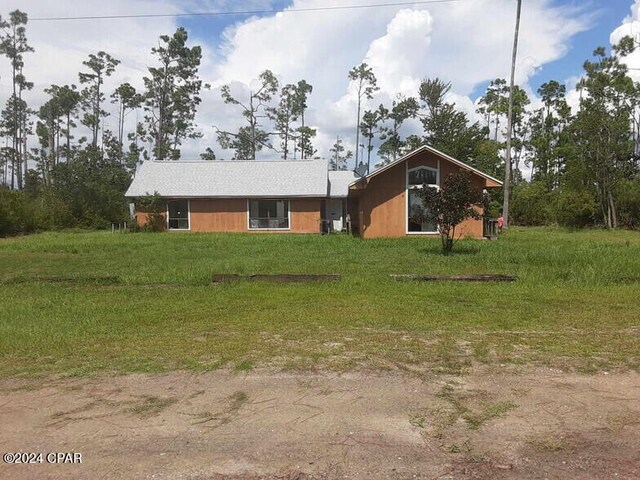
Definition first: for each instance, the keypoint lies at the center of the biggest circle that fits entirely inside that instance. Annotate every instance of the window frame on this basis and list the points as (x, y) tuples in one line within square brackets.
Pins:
[(408, 188), (277, 229), (169, 229)]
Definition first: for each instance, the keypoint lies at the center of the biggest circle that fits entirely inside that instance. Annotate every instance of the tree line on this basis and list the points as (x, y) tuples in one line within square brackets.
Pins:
[(583, 164)]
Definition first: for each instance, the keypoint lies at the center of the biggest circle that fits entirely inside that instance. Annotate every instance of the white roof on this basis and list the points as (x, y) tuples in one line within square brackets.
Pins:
[(234, 178), (339, 182)]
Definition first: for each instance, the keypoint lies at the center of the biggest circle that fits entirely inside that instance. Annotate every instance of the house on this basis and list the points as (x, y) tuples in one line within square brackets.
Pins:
[(246, 196), (299, 196), (385, 202)]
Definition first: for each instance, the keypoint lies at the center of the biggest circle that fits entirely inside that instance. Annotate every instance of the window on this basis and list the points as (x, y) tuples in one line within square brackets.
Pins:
[(417, 178), (268, 214), (178, 214), (421, 175), (417, 220)]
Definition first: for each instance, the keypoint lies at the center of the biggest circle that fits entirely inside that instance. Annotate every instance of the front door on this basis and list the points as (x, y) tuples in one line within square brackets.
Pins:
[(334, 214)]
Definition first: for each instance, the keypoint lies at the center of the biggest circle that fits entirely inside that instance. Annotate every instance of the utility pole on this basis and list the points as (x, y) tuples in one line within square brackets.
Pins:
[(507, 163)]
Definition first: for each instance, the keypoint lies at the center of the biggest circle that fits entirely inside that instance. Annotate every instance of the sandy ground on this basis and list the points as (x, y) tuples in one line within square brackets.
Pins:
[(489, 423)]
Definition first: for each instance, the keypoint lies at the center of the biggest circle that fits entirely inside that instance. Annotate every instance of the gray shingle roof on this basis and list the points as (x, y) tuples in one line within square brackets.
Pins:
[(240, 178), (339, 182)]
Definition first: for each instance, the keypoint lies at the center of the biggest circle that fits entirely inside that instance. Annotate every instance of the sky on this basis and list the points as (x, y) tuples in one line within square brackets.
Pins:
[(465, 42)]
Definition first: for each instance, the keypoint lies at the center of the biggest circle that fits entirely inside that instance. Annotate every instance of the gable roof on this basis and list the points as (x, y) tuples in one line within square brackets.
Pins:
[(427, 148), (238, 178)]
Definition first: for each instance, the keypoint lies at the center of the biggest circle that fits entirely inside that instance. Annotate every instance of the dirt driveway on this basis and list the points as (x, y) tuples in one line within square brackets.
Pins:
[(490, 423)]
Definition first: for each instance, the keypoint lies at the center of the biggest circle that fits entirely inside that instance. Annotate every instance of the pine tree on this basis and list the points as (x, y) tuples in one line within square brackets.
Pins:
[(338, 156), (100, 66), (366, 84), (252, 138), (171, 95), (13, 44), (401, 110)]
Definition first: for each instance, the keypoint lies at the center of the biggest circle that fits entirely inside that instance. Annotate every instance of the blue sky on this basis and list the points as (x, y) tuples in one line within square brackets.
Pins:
[(608, 14), (467, 42)]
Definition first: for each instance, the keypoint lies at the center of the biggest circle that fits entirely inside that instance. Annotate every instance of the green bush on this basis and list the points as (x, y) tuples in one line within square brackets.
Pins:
[(93, 191), (531, 204), (575, 208), (52, 212), (492, 202), (155, 208), (629, 203), (17, 213)]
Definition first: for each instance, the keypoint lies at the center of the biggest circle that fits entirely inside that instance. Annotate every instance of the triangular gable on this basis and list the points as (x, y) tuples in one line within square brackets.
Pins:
[(492, 182)]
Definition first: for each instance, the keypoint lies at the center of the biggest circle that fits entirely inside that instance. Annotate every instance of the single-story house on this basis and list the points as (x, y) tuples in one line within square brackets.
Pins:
[(300, 196)]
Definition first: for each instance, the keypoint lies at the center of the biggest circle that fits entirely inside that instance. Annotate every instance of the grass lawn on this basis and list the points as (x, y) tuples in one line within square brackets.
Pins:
[(144, 302)]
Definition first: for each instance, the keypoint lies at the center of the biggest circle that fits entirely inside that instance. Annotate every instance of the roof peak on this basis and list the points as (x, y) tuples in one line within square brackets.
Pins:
[(429, 148)]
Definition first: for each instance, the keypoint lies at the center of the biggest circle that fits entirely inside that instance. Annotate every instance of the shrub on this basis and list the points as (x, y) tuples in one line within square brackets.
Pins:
[(52, 212), (155, 208), (531, 204), (575, 208), (629, 203), (93, 191), (450, 206), (17, 213)]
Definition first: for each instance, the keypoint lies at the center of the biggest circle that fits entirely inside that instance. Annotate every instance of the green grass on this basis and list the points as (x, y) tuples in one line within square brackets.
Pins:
[(81, 303)]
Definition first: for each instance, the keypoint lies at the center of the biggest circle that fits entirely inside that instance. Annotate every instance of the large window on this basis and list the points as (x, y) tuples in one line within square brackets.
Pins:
[(417, 178), (178, 214), (269, 214)]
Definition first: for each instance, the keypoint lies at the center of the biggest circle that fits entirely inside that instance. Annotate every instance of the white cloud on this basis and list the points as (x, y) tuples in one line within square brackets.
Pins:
[(466, 43), (630, 26), (397, 62)]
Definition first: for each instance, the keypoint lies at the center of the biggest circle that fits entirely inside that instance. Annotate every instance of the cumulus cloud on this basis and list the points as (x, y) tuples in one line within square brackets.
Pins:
[(398, 57), (630, 26), (466, 43)]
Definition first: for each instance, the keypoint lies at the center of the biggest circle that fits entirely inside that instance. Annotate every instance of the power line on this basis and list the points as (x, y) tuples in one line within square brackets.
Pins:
[(242, 12)]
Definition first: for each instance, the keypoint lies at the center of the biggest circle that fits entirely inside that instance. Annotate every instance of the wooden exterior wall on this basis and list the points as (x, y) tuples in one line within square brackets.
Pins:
[(230, 215), (379, 208)]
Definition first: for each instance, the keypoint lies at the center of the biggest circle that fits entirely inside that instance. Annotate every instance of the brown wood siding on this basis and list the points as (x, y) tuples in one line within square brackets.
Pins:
[(230, 215), (382, 203), (219, 215), (142, 218), (305, 215)]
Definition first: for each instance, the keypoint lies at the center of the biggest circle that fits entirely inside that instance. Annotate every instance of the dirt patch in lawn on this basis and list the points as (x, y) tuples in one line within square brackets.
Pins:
[(276, 278), (73, 280), (495, 423)]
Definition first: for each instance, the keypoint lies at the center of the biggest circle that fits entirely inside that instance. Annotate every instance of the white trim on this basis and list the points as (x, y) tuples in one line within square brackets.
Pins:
[(249, 229), (426, 167), (417, 187), (188, 216)]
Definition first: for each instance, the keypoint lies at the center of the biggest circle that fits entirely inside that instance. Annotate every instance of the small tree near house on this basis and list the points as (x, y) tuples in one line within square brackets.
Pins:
[(449, 206), (155, 207)]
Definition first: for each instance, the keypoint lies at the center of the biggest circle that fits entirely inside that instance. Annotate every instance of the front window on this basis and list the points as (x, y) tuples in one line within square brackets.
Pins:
[(178, 214), (269, 214), (417, 215)]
